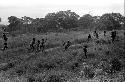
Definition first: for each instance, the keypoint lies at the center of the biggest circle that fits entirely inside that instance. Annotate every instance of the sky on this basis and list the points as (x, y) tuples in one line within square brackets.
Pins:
[(39, 8)]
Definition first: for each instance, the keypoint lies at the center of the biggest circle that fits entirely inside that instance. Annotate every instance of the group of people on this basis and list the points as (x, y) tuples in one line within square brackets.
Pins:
[(37, 45), (5, 41), (113, 35)]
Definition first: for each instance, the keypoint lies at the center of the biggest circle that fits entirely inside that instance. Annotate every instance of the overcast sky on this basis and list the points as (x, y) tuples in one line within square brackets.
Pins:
[(39, 8)]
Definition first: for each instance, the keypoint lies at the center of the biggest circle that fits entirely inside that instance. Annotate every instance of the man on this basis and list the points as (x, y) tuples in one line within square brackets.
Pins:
[(42, 46), (94, 33), (85, 51), (32, 45), (5, 46), (104, 33), (97, 36), (89, 37), (5, 37), (38, 45), (67, 45), (113, 35)]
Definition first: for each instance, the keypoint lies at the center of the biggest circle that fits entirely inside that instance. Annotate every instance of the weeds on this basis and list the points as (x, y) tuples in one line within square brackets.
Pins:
[(54, 78), (89, 73), (116, 65)]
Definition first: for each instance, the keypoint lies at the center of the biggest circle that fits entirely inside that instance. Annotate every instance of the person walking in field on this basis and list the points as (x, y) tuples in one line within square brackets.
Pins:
[(42, 45), (85, 51), (96, 34), (104, 33), (5, 41), (38, 46), (5, 37), (32, 44), (67, 45), (5, 46), (113, 36), (89, 37)]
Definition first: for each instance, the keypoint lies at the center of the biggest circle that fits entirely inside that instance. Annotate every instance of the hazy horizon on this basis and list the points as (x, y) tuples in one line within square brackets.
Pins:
[(39, 8)]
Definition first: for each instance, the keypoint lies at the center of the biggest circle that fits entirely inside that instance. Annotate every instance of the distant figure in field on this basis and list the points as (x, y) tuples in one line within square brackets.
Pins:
[(113, 36), (89, 37), (5, 46), (32, 44), (38, 45), (5, 41), (96, 34), (67, 45), (104, 33), (42, 45), (85, 51), (5, 37)]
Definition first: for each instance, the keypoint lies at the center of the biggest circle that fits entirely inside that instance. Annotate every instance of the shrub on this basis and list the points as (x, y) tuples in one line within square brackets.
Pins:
[(91, 55), (8, 66), (31, 79), (47, 66), (74, 54), (20, 72), (116, 65), (89, 73), (79, 41), (54, 78)]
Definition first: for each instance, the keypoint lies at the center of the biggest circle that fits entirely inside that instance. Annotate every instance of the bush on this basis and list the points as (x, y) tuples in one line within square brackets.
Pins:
[(20, 72), (54, 78), (47, 66), (79, 41), (8, 66), (91, 55), (89, 73), (116, 65), (31, 79)]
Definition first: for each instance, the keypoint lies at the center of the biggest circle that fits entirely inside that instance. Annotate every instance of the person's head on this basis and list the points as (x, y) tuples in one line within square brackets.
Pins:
[(42, 39), (33, 39), (68, 41), (85, 46), (38, 41)]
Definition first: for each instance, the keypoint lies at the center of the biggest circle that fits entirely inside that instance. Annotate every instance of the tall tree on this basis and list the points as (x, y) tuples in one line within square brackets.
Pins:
[(86, 21), (14, 21), (62, 19), (112, 20)]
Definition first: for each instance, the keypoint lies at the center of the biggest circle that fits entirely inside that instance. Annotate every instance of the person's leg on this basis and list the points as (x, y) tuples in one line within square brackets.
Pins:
[(85, 54)]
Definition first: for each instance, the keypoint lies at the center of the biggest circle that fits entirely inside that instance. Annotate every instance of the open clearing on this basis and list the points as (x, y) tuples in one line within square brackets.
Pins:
[(19, 65)]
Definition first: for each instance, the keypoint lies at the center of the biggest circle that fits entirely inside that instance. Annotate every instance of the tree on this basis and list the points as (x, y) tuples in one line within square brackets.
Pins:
[(86, 21), (112, 20), (97, 24), (62, 19), (14, 22)]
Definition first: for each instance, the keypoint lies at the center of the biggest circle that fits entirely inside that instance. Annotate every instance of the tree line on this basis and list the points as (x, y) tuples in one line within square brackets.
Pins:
[(64, 20)]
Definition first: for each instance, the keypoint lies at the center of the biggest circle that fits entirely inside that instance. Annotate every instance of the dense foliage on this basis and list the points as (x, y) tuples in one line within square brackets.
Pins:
[(64, 20)]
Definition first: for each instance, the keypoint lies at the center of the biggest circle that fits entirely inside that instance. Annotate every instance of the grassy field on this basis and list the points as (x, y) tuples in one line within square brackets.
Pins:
[(19, 65)]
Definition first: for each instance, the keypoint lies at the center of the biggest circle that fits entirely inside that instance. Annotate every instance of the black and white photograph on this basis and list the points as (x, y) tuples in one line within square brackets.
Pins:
[(62, 41)]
